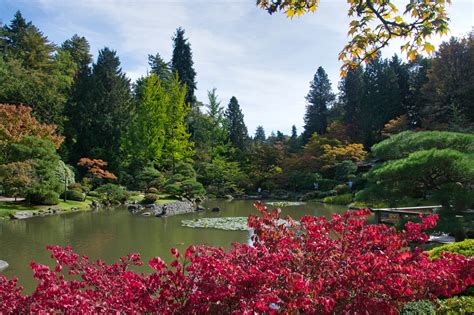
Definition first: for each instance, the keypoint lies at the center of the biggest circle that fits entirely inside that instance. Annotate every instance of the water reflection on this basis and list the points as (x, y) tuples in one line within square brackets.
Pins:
[(110, 234)]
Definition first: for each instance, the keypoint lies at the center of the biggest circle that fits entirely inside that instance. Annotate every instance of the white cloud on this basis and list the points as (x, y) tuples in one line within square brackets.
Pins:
[(266, 61)]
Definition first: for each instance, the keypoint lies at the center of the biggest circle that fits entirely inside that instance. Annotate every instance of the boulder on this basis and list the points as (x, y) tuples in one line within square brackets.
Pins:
[(3, 265), (216, 209)]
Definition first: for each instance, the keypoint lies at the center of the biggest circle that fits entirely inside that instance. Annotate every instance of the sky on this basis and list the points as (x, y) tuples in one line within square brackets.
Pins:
[(266, 61)]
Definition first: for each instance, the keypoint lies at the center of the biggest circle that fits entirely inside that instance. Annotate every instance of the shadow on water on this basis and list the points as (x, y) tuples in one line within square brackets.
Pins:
[(112, 233)]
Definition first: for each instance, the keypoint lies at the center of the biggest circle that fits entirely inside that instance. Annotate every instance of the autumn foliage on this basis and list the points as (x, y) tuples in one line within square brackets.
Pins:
[(16, 122), (318, 265), (95, 167)]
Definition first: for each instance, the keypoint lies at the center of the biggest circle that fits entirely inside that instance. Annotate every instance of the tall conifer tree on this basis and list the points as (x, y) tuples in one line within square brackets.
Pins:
[(319, 99), (238, 133), (105, 111), (182, 64)]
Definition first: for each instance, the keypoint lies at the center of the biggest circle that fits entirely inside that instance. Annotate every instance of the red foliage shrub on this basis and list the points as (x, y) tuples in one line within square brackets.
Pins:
[(95, 167), (319, 265)]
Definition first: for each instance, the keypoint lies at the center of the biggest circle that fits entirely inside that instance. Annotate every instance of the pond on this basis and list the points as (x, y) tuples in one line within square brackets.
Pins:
[(111, 233)]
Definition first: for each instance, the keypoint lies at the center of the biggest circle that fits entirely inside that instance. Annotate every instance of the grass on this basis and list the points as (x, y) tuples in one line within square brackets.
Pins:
[(7, 207)]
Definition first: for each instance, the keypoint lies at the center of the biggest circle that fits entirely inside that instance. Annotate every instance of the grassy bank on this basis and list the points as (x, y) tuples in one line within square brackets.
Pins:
[(9, 207)]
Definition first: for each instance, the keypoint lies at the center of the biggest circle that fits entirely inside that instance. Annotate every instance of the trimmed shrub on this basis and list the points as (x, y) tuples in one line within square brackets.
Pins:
[(456, 305), (94, 194), (73, 195), (112, 194), (47, 199), (152, 190), (339, 199), (425, 307), (78, 187), (150, 198), (465, 248), (341, 189)]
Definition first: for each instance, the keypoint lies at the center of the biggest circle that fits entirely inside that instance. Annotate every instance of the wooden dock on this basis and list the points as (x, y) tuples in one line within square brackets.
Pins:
[(403, 211)]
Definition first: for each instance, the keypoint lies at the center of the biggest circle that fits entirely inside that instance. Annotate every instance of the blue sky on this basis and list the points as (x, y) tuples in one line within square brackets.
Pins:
[(266, 61)]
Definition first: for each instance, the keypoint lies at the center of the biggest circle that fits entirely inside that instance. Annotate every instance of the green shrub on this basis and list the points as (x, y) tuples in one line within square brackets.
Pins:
[(73, 195), (424, 307), (78, 187), (465, 248), (150, 198), (456, 305), (112, 194), (339, 199), (327, 184), (341, 189), (173, 189), (46, 199), (94, 194), (345, 170), (192, 188), (152, 190), (149, 177)]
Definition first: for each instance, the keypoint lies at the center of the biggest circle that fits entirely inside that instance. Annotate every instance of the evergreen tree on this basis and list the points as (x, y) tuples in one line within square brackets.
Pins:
[(260, 135), (182, 64), (238, 133), (352, 97), (159, 67), (31, 74), (319, 99), (293, 143), (450, 88), (177, 147), (24, 41), (416, 100), (382, 101), (146, 136), (79, 49), (105, 111)]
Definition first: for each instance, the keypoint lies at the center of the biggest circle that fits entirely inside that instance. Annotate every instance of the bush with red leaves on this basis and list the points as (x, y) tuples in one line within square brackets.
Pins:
[(319, 265)]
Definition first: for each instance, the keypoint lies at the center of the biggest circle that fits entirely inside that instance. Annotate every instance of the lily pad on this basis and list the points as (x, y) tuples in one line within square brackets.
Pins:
[(226, 223), (285, 203)]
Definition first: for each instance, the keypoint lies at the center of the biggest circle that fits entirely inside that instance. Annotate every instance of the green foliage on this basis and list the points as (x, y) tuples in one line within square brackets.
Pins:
[(149, 177), (344, 170), (465, 248), (418, 307), (449, 87), (43, 197), (303, 180), (41, 153), (182, 64), (221, 177), (462, 305), (73, 195), (339, 199), (424, 171), (104, 110), (402, 144), (78, 187), (237, 129), (152, 190), (147, 134), (319, 99), (112, 194), (65, 173), (150, 198)]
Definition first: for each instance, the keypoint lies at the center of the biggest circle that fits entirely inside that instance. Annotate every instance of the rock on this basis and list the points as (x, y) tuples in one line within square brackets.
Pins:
[(200, 208), (3, 265), (228, 197), (133, 208), (20, 215), (216, 209), (146, 214)]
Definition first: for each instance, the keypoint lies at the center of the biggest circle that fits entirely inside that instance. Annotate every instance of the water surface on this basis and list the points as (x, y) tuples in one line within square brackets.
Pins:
[(112, 233)]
